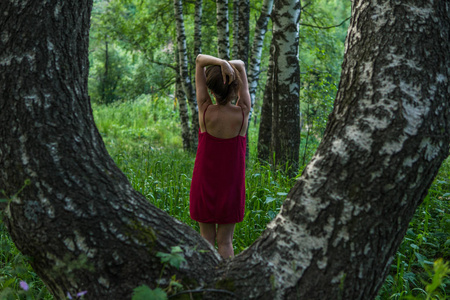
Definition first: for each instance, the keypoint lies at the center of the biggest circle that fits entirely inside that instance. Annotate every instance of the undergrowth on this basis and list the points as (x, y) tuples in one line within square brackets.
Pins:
[(143, 137)]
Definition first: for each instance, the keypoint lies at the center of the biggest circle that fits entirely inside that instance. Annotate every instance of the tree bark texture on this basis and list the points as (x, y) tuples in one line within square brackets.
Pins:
[(385, 140), (180, 97), (285, 141), (235, 49), (184, 73), (85, 228), (198, 27), (253, 79), (265, 124), (79, 220), (244, 31), (223, 43), (258, 41)]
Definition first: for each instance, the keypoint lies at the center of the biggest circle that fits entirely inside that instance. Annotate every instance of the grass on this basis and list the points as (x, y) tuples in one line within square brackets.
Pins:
[(144, 137)]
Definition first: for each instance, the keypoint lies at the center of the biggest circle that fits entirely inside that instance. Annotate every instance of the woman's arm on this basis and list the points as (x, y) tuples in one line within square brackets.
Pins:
[(243, 93), (200, 78)]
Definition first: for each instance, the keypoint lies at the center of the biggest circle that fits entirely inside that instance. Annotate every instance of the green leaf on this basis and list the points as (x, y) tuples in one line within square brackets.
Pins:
[(282, 194), (414, 246), (269, 200), (174, 259), (176, 249), (423, 260), (420, 258), (143, 292)]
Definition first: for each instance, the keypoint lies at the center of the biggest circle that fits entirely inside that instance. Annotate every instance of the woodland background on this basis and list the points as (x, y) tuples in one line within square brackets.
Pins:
[(133, 92)]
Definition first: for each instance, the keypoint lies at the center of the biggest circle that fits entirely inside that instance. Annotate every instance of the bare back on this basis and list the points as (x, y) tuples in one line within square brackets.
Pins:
[(224, 121)]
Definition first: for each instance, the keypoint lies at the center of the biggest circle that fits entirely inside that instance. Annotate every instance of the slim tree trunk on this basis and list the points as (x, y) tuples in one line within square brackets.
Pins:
[(185, 79), (85, 228), (253, 78), (105, 85), (223, 44), (265, 124), (236, 29), (258, 41), (286, 86), (244, 31), (180, 97), (198, 27)]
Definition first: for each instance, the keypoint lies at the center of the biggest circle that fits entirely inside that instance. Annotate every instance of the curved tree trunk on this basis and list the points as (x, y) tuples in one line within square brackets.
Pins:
[(79, 219), (85, 228), (185, 79), (223, 43), (258, 41), (389, 132), (253, 78)]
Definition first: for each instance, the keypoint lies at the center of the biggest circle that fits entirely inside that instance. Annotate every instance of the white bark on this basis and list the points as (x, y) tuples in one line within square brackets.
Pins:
[(236, 29), (255, 57), (198, 27), (223, 44), (185, 79), (285, 140)]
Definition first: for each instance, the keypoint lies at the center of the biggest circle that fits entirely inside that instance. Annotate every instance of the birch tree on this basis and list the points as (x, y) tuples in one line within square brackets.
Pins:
[(255, 57), (236, 29), (180, 98), (223, 43), (244, 31), (285, 141), (185, 79), (340, 224), (198, 27), (265, 123)]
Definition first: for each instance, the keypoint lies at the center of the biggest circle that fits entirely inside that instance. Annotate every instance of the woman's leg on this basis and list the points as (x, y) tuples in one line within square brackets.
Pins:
[(225, 239), (208, 232)]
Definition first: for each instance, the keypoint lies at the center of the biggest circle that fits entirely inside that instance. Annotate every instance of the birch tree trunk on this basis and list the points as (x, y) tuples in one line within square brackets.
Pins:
[(223, 44), (340, 225), (180, 97), (185, 79), (235, 29), (198, 27), (244, 31), (265, 124), (253, 79), (285, 141), (258, 41)]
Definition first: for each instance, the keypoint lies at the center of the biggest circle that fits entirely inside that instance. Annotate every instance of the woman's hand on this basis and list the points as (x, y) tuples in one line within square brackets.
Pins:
[(227, 70)]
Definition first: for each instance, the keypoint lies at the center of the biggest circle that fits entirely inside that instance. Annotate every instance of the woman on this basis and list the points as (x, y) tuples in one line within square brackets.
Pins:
[(217, 196)]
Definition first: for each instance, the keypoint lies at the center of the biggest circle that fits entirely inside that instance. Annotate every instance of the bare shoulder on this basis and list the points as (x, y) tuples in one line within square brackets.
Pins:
[(242, 105)]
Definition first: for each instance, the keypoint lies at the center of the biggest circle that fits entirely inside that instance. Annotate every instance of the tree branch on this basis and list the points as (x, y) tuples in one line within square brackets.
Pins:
[(327, 27)]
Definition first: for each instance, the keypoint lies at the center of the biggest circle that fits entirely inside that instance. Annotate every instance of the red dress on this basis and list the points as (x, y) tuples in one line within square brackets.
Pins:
[(218, 183)]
